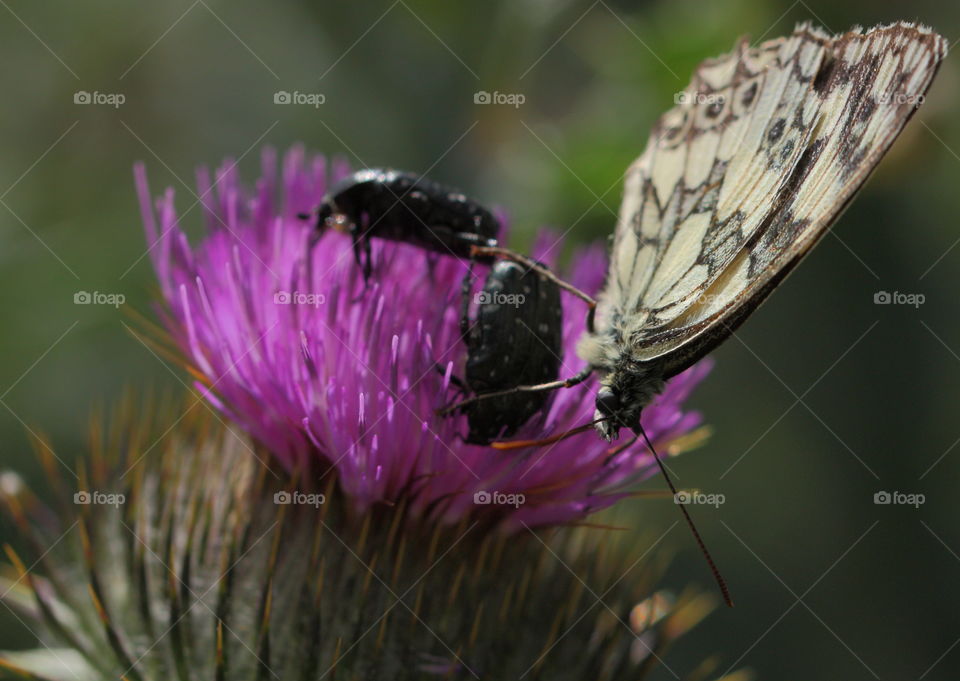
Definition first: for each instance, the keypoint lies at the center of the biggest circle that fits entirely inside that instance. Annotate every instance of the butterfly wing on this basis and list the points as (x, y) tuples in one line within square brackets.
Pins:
[(745, 174)]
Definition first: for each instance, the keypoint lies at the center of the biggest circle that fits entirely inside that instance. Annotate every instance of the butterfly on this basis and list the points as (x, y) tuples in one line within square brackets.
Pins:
[(764, 150)]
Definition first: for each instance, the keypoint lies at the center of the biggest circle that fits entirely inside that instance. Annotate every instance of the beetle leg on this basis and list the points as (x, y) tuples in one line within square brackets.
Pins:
[(466, 287), (458, 382), (542, 387), (362, 251), (358, 248), (312, 240), (361, 254), (367, 260)]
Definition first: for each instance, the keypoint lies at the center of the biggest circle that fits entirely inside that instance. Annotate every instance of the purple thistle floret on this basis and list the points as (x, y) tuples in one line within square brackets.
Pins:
[(336, 369)]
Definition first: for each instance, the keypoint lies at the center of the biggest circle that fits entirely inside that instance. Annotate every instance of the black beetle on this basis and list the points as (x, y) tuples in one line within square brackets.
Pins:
[(516, 339), (402, 206)]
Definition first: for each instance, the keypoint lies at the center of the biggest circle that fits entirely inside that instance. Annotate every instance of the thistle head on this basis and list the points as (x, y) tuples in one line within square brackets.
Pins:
[(322, 367)]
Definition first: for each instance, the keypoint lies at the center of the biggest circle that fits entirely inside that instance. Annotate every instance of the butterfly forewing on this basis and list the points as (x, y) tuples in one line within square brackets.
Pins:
[(741, 178)]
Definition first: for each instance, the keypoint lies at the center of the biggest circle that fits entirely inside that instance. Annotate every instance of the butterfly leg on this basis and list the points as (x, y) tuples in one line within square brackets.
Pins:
[(590, 315), (614, 451), (534, 265), (542, 387)]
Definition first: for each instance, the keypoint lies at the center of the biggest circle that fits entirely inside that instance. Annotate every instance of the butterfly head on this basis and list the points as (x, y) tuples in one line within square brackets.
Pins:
[(621, 398), (609, 413), (613, 412)]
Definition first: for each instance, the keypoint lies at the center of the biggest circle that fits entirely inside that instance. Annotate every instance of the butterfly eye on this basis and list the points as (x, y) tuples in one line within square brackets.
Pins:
[(608, 402)]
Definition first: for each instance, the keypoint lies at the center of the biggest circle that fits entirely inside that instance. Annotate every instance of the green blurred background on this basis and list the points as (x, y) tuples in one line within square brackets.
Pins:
[(826, 398)]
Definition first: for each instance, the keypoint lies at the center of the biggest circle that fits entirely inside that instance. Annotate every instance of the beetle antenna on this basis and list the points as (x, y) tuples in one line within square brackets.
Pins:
[(693, 528)]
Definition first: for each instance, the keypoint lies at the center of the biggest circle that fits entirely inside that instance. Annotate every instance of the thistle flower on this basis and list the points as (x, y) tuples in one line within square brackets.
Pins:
[(198, 562), (194, 563), (319, 366)]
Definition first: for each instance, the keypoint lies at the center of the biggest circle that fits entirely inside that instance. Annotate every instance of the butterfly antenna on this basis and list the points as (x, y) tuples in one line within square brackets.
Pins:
[(693, 528)]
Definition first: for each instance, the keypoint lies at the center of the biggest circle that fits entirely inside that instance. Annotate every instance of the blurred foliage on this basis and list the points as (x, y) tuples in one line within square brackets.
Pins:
[(824, 399)]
